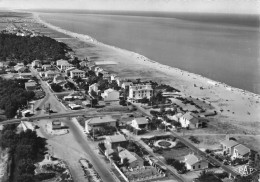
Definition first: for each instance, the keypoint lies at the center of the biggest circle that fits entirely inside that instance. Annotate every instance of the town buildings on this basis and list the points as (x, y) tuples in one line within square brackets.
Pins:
[(36, 63), (96, 123), (30, 86), (190, 120), (110, 95), (139, 91), (193, 162), (112, 142), (140, 123), (77, 73), (134, 160)]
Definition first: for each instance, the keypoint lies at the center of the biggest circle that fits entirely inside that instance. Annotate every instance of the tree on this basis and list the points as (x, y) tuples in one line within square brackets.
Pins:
[(25, 178), (56, 88), (125, 162), (26, 166)]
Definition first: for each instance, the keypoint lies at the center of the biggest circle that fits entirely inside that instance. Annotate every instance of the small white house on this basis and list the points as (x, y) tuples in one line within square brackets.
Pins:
[(95, 123), (140, 123), (193, 162), (93, 87), (126, 84), (240, 151), (190, 120), (110, 95), (77, 73), (25, 125), (36, 63)]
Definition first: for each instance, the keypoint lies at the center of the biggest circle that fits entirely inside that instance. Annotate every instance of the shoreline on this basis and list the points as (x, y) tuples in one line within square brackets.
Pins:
[(234, 106), (83, 37)]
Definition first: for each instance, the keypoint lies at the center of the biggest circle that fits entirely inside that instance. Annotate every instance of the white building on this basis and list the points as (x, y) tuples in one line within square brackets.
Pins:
[(93, 87), (193, 162), (65, 66), (77, 73), (25, 125), (36, 63), (67, 71), (126, 84), (95, 123), (137, 92), (140, 123), (46, 67), (190, 120), (110, 95), (50, 74), (240, 151)]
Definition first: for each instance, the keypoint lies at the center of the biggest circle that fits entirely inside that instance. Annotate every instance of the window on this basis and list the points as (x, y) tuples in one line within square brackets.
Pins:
[(193, 167), (199, 166)]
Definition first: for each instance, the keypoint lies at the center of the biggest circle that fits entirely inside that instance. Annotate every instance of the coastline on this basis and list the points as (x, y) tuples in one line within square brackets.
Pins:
[(84, 37), (221, 95)]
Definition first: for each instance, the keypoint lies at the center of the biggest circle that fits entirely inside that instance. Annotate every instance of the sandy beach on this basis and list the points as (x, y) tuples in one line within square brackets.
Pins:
[(243, 106)]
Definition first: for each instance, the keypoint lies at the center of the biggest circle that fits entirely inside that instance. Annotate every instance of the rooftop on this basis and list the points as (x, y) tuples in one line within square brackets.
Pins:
[(98, 120), (191, 159), (126, 154), (229, 143), (241, 149), (116, 138), (141, 120)]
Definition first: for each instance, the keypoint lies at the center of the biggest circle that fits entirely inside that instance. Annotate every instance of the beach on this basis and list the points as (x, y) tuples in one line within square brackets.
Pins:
[(238, 105)]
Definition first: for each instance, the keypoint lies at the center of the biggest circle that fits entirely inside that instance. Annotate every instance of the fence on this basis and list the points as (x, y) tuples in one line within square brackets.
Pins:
[(122, 174)]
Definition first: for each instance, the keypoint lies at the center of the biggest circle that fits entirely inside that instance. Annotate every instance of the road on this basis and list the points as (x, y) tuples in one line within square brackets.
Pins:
[(204, 155), (82, 140), (79, 136)]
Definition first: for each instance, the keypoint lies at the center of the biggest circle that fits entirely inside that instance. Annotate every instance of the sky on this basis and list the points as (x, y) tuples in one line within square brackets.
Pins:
[(214, 6)]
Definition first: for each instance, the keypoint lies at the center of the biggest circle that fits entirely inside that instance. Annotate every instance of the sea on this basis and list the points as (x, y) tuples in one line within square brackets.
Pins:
[(222, 47)]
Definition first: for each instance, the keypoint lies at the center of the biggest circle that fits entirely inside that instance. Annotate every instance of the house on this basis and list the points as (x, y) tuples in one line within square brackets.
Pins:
[(139, 91), (83, 64), (75, 106), (193, 162), (96, 123), (77, 73), (126, 85), (26, 125), (58, 79), (60, 62), (93, 87), (134, 160), (116, 140), (98, 70), (190, 120), (25, 75), (26, 113), (67, 71), (140, 123), (105, 75), (30, 86), (50, 74), (65, 66), (36, 63), (19, 68), (56, 125), (240, 151), (228, 146), (110, 95), (46, 67)]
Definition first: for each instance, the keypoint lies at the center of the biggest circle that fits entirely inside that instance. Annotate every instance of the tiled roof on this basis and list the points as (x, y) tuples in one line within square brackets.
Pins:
[(191, 159), (141, 120), (126, 154), (229, 143), (105, 119), (116, 138), (241, 149)]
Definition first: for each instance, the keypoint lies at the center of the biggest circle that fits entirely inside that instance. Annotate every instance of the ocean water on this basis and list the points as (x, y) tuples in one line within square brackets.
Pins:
[(222, 48)]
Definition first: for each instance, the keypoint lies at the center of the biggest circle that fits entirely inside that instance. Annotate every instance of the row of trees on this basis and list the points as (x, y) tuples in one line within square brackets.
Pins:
[(24, 149), (13, 96), (30, 48)]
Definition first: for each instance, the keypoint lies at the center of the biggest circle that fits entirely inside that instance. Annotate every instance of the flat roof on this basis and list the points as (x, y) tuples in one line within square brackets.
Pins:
[(98, 120)]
